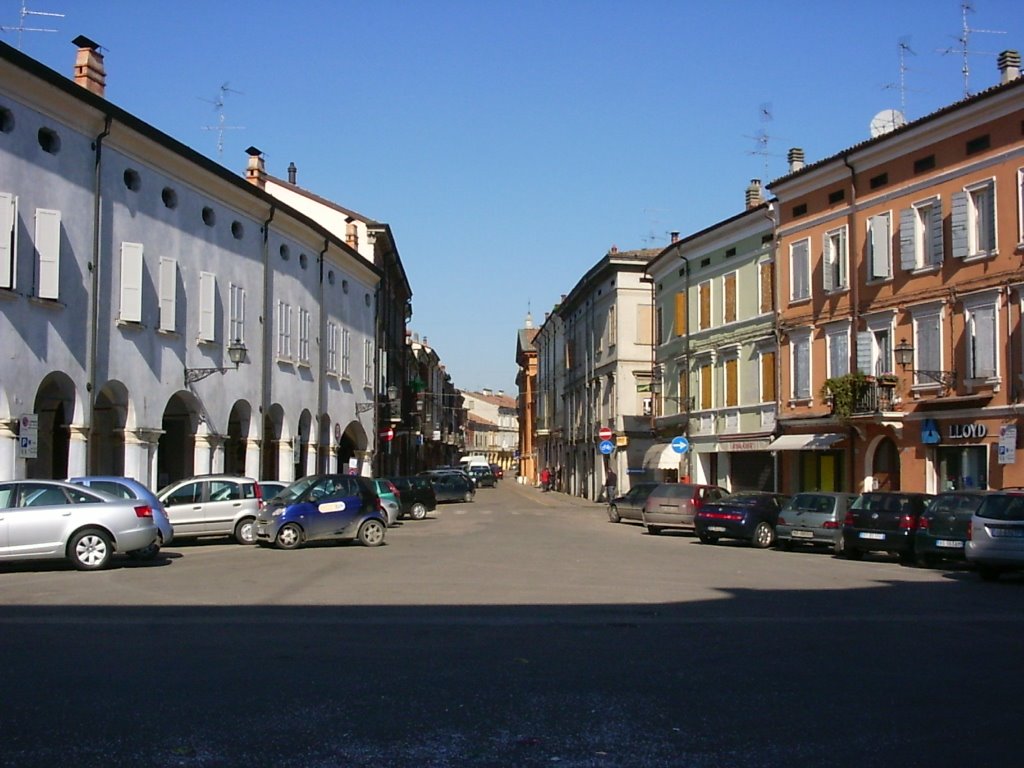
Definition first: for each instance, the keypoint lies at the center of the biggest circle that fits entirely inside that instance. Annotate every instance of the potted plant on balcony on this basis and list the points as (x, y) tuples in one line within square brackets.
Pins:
[(843, 391), (888, 379)]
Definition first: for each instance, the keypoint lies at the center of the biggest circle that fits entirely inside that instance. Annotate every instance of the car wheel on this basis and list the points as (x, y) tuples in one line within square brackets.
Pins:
[(653, 530), (467, 496), (613, 514), (289, 537), (707, 538), (371, 533), (245, 531), (925, 560), (839, 547), (851, 553), (90, 550), (786, 545), (988, 573), (418, 511), (906, 558), (764, 535)]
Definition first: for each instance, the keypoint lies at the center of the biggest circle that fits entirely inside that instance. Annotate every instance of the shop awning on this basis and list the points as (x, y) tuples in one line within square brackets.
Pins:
[(661, 456), (821, 442)]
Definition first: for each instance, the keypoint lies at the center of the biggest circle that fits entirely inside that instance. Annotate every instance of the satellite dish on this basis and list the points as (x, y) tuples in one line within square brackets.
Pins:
[(886, 121)]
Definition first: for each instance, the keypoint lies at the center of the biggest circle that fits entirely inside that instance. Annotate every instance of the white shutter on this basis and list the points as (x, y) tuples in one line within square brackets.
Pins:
[(908, 239), (48, 248), (865, 346), (828, 261), (843, 256), (131, 282), (983, 320), (881, 246), (927, 346), (8, 218), (168, 292), (961, 203), (207, 306)]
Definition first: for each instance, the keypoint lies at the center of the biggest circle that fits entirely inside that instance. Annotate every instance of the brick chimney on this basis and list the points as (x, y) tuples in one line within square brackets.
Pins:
[(675, 236), (255, 169), (754, 196), (1009, 66), (89, 71), (292, 173), (795, 158)]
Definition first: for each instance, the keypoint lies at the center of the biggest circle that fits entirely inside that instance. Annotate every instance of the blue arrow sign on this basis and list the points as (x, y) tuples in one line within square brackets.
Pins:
[(680, 444), (607, 447)]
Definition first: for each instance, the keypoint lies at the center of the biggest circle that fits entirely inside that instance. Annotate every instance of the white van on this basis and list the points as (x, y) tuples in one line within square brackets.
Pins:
[(473, 461)]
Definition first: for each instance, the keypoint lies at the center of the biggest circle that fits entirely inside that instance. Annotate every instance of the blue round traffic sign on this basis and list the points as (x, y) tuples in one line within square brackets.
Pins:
[(606, 447), (680, 444)]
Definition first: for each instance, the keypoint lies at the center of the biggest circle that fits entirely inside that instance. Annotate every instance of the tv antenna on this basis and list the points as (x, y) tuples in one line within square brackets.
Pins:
[(904, 49), (651, 236), (25, 13), (966, 7), (218, 105), (762, 138)]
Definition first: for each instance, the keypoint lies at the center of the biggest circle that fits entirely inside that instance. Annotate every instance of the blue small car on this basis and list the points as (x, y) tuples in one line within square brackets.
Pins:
[(323, 507), (130, 488), (747, 515)]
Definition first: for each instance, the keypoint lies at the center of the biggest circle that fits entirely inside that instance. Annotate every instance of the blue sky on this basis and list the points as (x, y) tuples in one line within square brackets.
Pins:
[(510, 144)]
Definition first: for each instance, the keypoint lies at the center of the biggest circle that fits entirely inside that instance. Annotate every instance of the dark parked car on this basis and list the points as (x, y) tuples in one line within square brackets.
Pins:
[(674, 505), (883, 521), (814, 518), (323, 507), (452, 486), (416, 496), (746, 515), (483, 477), (499, 473), (630, 505), (943, 527)]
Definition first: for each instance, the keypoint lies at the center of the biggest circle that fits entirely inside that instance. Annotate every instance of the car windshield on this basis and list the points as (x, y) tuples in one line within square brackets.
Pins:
[(811, 503), (308, 488), (1001, 507), (742, 499)]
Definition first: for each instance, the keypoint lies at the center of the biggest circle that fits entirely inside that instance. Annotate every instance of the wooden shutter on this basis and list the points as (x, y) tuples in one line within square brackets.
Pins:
[(768, 377), (705, 306), (961, 201), (168, 292), (828, 259), (768, 286), (729, 285), (644, 318), (802, 368), (207, 306), (48, 248), (908, 239), (935, 228), (983, 320), (680, 313), (705, 386), (131, 282), (881, 246), (684, 390), (732, 381), (8, 218), (865, 344)]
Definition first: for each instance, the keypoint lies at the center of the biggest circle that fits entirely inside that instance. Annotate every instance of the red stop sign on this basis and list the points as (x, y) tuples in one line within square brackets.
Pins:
[(387, 434), (605, 433)]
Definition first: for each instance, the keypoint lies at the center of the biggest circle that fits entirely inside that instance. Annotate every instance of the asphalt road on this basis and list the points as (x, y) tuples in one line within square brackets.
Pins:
[(523, 629)]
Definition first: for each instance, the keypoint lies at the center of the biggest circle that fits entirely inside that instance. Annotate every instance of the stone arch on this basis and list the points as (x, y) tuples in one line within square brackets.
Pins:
[(276, 442), (353, 444), (113, 413), (58, 406), (176, 446), (882, 465), (241, 443), (303, 438), (325, 446)]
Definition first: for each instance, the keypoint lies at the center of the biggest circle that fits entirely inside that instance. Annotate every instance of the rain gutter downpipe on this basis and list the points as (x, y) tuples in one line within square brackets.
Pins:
[(94, 267), (268, 322), (323, 451), (772, 214), (854, 301)]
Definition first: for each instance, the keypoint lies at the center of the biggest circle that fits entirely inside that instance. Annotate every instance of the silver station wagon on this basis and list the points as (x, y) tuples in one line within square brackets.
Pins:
[(813, 518)]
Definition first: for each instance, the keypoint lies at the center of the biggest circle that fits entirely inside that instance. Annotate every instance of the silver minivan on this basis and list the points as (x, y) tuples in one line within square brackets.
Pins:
[(213, 505), (814, 517), (995, 540)]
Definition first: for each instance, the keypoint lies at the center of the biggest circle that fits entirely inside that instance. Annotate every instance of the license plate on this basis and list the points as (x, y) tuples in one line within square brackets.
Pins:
[(717, 528), (802, 534), (873, 536), (261, 530), (1007, 533), (949, 544)]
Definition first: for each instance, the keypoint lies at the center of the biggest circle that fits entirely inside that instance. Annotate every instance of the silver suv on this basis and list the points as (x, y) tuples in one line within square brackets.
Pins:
[(995, 540), (213, 505)]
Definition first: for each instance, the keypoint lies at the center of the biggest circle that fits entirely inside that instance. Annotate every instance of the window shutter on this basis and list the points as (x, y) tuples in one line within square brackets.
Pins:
[(767, 287), (844, 281), (927, 346), (961, 202), (207, 306), (731, 382), (48, 248), (768, 377), (828, 260), (983, 320), (8, 217), (729, 284), (908, 238), (705, 386), (839, 354), (680, 313), (880, 246), (168, 292), (131, 282), (705, 305), (802, 368), (865, 342), (644, 317), (935, 228), (799, 270)]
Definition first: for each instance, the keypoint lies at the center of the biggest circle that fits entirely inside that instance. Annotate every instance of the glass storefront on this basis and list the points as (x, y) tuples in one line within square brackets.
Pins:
[(962, 467)]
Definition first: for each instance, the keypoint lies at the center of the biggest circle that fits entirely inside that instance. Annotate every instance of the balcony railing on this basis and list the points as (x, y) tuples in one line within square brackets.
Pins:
[(875, 397)]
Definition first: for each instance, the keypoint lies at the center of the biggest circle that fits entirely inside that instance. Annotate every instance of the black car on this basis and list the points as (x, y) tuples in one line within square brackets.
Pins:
[(451, 485), (416, 496), (747, 515), (943, 527), (483, 477), (883, 521)]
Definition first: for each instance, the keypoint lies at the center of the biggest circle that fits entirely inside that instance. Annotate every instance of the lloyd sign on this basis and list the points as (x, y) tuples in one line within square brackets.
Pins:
[(967, 431)]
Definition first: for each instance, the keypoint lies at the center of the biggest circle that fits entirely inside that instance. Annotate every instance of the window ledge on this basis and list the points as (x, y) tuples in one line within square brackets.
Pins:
[(928, 269), (285, 361), (980, 256), (50, 303), (169, 332), (800, 300), (9, 294), (801, 402), (130, 325)]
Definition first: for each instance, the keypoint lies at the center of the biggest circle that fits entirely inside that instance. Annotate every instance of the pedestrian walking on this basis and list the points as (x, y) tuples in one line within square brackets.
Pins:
[(545, 479), (611, 480)]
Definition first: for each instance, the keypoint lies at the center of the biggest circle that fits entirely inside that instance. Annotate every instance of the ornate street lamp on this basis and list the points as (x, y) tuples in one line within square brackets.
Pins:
[(236, 354), (904, 354)]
